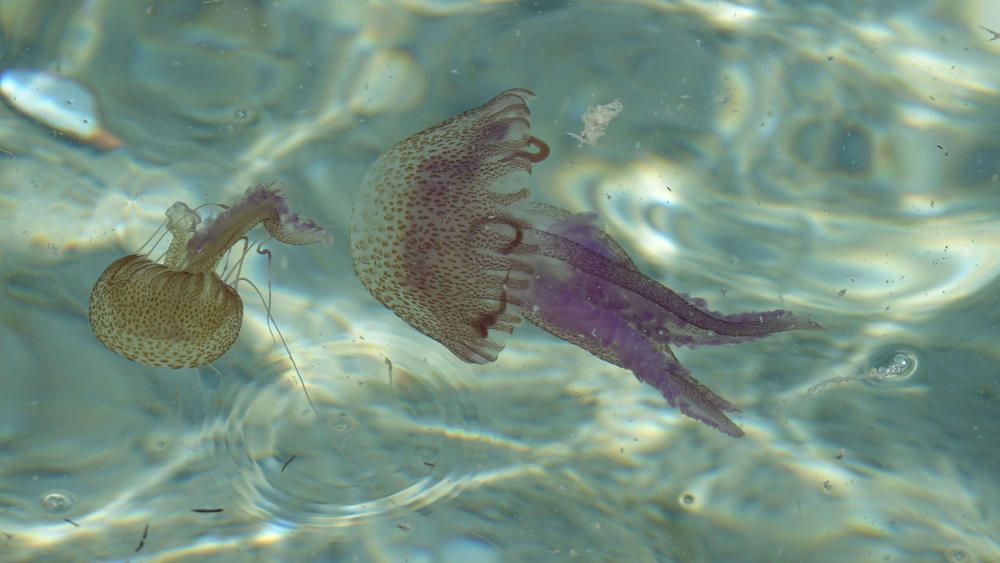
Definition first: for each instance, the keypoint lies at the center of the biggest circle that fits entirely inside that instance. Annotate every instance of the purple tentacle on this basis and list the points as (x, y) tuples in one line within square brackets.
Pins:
[(596, 264), (584, 311)]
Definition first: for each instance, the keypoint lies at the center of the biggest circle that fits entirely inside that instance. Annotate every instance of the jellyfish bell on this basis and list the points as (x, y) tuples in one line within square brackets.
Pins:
[(161, 317), (181, 312), (443, 235), (429, 216)]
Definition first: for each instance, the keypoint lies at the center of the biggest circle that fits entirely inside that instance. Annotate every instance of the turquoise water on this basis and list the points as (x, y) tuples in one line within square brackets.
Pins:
[(836, 159)]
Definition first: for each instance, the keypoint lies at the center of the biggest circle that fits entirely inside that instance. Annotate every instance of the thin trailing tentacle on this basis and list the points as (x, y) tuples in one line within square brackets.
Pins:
[(227, 274), (159, 238), (284, 343), (266, 252)]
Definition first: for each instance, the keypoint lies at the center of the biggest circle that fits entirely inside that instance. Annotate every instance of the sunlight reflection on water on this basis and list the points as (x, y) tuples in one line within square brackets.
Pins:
[(823, 158)]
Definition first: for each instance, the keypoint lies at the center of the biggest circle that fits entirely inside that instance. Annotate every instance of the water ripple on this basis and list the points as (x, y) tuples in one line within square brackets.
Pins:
[(387, 437)]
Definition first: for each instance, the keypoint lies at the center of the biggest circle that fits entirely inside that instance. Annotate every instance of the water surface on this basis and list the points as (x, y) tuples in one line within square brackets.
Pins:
[(837, 159)]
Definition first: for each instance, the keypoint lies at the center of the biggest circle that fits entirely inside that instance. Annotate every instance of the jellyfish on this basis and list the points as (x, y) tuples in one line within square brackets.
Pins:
[(444, 235), (181, 312)]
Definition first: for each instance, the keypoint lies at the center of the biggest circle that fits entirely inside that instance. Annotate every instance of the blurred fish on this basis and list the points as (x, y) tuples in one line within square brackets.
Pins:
[(57, 102)]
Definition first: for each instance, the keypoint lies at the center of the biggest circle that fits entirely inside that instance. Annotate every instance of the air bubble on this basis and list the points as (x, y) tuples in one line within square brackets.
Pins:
[(958, 555), (157, 444), (693, 499), (57, 501), (895, 365), (343, 423)]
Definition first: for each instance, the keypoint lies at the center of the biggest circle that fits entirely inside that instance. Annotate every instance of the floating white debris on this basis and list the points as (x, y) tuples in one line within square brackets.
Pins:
[(595, 121), (59, 103)]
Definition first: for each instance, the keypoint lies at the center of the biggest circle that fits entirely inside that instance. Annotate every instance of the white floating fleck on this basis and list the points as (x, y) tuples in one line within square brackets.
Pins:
[(60, 103), (596, 120)]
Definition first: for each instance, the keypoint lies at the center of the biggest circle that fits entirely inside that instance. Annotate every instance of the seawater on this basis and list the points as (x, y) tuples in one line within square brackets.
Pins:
[(837, 159)]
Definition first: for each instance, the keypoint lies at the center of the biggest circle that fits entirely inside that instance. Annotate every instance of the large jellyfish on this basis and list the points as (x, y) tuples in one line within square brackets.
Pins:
[(443, 235), (181, 313)]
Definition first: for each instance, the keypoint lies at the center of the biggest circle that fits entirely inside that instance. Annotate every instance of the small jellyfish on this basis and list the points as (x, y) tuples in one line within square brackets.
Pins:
[(181, 313)]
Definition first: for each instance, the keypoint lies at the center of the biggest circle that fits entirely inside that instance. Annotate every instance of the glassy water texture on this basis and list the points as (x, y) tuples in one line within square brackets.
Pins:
[(837, 159)]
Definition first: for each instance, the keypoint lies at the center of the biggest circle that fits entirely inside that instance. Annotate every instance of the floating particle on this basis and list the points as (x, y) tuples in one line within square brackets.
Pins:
[(595, 121), (57, 102), (142, 540)]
